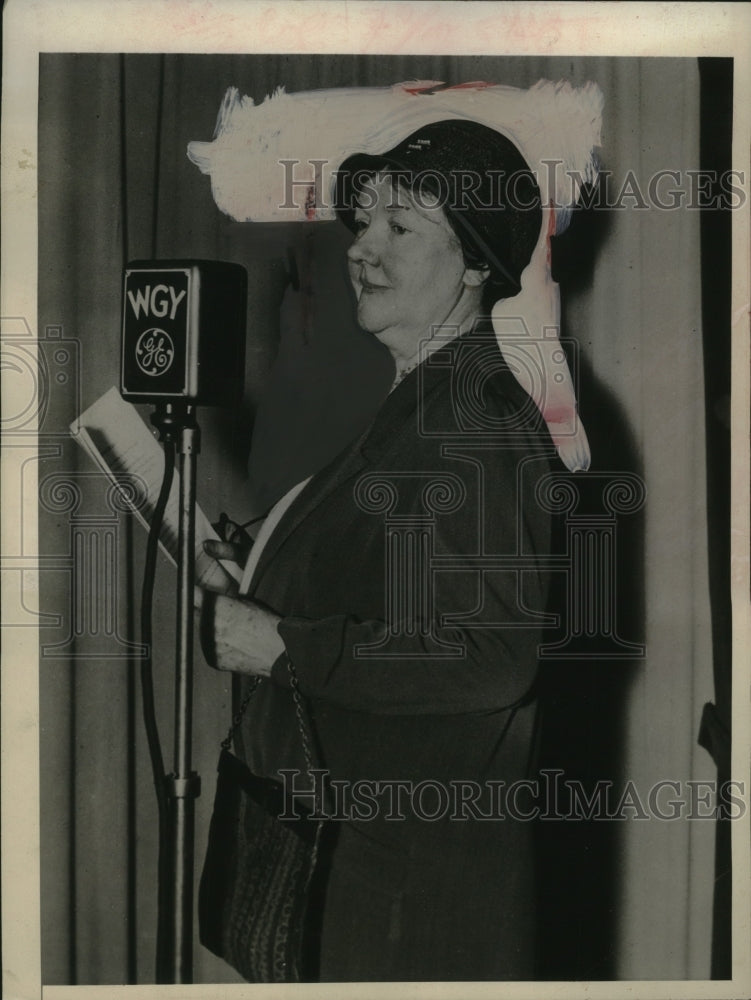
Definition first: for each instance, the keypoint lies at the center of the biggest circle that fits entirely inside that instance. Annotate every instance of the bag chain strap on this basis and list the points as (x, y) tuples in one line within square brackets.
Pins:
[(226, 743), (297, 698), (237, 718)]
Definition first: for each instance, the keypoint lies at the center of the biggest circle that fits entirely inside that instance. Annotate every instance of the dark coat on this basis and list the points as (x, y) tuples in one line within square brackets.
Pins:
[(447, 698)]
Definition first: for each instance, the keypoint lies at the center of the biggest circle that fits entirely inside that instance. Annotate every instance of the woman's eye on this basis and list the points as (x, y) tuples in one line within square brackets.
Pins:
[(360, 225), (399, 230)]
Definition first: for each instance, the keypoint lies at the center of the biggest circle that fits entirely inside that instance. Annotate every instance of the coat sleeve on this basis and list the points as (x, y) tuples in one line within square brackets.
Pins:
[(484, 660)]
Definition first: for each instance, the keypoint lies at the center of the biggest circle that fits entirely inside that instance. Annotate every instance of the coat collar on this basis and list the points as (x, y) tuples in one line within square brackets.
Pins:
[(398, 410), (419, 385)]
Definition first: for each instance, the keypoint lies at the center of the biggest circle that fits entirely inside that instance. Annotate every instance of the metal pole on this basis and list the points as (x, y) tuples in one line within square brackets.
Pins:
[(184, 783)]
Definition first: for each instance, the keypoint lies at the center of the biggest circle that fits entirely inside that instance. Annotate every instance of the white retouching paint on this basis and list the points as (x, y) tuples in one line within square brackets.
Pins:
[(276, 162), (554, 125)]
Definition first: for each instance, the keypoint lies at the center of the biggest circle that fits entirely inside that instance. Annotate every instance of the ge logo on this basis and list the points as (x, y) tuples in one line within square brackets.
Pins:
[(154, 351)]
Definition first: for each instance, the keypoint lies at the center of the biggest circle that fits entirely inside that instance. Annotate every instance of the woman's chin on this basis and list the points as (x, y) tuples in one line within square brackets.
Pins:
[(369, 321)]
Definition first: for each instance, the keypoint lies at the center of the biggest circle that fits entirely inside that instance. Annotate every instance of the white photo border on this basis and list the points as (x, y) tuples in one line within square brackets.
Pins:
[(337, 26)]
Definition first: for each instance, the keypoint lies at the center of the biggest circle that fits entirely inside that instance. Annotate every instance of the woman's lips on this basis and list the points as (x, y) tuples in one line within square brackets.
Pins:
[(369, 286)]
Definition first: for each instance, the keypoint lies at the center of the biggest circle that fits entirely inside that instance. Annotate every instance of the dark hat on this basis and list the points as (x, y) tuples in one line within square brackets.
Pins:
[(480, 179)]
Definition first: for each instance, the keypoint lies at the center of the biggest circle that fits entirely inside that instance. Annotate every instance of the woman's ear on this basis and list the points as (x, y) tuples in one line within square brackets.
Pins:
[(476, 276)]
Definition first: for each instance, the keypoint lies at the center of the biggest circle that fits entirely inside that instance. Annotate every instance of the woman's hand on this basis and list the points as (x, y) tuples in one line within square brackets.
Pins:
[(216, 578), (236, 634), (227, 551), (239, 635)]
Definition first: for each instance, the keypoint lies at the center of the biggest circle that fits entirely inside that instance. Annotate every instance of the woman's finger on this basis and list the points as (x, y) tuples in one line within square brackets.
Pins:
[(221, 550)]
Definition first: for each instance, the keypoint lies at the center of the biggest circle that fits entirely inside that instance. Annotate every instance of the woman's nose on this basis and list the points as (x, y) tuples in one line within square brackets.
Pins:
[(364, 249)]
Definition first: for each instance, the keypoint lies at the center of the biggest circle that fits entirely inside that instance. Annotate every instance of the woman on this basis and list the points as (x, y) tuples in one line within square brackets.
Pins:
[(392, 582)]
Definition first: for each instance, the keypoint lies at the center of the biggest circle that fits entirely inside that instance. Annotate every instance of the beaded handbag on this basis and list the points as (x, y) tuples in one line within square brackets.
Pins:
[(254, 894)]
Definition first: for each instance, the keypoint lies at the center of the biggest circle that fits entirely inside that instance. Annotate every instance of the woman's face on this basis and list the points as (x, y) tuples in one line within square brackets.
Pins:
[(406, 267)]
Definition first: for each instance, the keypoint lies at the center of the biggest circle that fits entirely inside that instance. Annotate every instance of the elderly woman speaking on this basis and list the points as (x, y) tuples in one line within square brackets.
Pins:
[(400, 584)]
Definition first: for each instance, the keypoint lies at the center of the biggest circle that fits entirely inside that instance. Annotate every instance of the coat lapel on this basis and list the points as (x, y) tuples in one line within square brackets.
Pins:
[(398, 409), (348, 463)]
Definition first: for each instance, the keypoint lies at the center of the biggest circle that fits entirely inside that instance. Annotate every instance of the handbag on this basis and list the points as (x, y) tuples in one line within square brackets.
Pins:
[(255, 888)]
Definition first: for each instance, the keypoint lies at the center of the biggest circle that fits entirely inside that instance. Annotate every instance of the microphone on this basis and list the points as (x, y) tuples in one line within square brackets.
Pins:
[(183, 344), (183, 332)]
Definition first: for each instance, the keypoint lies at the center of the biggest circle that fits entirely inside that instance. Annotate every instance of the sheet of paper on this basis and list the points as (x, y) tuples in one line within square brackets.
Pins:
[(114, 435)]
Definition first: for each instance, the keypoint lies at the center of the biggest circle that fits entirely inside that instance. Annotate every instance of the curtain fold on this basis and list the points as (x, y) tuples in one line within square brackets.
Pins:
[(668, 417), (113, 165)]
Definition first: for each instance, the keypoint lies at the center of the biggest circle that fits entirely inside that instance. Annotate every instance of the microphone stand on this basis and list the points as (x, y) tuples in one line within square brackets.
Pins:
[(175, 950)]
